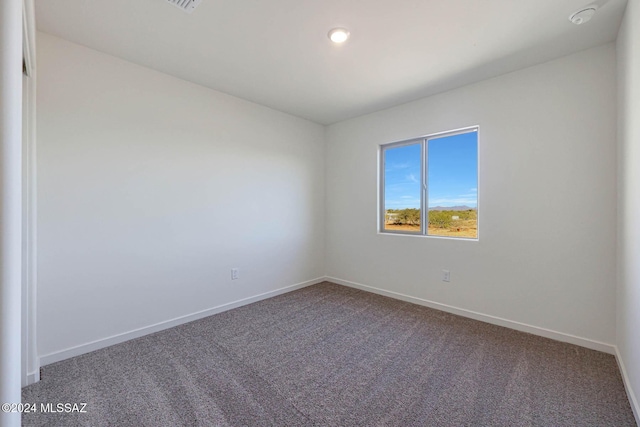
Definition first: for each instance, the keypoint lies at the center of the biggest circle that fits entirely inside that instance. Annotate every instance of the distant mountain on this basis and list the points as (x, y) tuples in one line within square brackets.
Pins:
[(451, 208)]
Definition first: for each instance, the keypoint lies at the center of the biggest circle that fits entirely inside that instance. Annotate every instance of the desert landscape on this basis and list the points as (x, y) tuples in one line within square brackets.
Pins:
[(454, 222)]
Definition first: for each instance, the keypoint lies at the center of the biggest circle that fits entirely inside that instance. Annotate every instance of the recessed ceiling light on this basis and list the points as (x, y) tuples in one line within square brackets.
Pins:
[(583, 15), (339, 35)]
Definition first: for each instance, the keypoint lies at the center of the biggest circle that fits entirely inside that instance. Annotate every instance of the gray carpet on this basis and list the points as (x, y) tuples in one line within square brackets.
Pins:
[(327, 355)]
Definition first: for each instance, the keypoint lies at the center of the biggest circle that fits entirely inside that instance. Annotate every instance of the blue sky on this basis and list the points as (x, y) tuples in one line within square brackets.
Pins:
[(452, 173)]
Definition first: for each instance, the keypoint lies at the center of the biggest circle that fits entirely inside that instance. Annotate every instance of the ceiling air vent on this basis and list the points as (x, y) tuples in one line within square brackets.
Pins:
[(186, 5)]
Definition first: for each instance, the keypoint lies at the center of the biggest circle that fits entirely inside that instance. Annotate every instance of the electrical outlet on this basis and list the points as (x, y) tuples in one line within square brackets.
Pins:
[(235, 273), (446, 276)]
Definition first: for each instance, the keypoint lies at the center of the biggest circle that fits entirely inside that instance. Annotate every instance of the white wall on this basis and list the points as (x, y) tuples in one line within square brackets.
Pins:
[(30, 363), (546, 254), (628, 325), (150, 189), (10, 205)]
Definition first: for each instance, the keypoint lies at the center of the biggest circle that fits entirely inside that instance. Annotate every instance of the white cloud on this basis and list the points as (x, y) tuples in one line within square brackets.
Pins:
[(412, 178), (395, 166), (454, 201), (402, 203)]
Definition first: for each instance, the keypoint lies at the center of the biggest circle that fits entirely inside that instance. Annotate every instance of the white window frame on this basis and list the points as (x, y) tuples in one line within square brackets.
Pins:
[(424, 193)]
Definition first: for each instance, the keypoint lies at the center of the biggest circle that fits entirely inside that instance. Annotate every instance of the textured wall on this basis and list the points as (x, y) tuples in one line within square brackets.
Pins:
[(151, 189), (628, 49), (547, 191)]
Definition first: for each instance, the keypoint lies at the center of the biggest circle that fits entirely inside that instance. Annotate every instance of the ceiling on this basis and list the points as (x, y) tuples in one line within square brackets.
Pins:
[(276, 53)]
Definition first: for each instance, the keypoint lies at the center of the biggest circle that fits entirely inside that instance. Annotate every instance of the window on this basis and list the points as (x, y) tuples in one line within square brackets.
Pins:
[(429, 186)]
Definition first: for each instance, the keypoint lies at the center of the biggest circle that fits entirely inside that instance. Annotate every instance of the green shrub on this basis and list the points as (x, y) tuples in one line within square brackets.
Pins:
[(409, 216), (440, 219)]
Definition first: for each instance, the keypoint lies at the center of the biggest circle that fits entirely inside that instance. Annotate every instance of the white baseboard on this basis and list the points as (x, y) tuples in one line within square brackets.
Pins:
[(136, 333), (33, 377), (523, 327), (627, 386)]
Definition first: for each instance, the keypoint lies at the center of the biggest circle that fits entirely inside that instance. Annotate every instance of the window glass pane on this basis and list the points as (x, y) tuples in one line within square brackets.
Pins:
[(452, 185), (402, 188)]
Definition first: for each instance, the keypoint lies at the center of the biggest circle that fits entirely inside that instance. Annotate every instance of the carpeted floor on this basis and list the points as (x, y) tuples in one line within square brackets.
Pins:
[(328, 355)]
